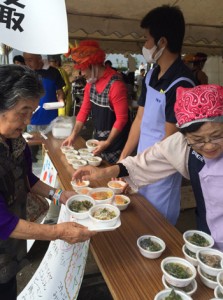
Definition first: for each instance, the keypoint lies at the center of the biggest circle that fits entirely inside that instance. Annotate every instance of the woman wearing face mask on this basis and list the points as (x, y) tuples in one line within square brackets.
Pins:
[(105, 95), (155, 120)]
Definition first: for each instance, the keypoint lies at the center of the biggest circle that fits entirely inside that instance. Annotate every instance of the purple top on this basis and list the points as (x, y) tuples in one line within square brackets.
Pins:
[(8, 221)]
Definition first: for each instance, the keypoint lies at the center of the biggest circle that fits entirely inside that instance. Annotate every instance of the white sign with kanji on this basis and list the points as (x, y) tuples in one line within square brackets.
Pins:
[(34, 26)]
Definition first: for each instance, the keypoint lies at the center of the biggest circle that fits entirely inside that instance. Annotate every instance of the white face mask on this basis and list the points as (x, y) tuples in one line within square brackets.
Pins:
[(148, 54), (94, 74)]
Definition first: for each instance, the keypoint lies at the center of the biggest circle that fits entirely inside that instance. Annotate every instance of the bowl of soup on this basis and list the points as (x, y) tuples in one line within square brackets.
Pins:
[(94, 160), (207, 280), (91, 144), (76, 184), (196, 240), (117, 186), (178, 271), (83, 190), (209, 261), (190, 289), (78, 206), (170, 294), (102, 195), (150, 246), (121, 201), (64, 149), (104, 215), (79, 163), (190, 256)]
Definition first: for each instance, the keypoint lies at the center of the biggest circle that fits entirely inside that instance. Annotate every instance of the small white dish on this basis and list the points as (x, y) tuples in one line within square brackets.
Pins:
[(91, 144), (214, 257), (53, 105), (101, 211), (102, 195), (117, 186), (146, 252), (121, 201), (94, 161), (207, 281), (83, 151), (188, 255), (73, 159), (79, 215), (191, 245), (178, 262), (165, 293), (79, 163), (189, 290), (64, 149), (79, 184)]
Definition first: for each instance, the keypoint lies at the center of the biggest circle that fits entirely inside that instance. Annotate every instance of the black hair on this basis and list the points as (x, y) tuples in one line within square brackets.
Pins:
[(55, 58), (19, 58), (191, 128), (166, 21), (108, 62), (18, 82)]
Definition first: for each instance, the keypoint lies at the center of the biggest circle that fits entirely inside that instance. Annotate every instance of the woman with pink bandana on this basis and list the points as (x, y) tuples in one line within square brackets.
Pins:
[(196, 152)]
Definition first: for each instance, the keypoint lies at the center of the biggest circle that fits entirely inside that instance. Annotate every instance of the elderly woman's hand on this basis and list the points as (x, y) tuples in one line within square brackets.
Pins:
[(72, 233)]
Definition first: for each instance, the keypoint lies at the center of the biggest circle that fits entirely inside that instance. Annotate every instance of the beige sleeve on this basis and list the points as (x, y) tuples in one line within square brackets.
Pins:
[(159, 161)]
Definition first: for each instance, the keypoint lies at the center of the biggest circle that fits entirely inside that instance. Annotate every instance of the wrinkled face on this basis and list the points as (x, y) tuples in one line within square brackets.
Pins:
[(212, 134), (33, 61), (14, 121)]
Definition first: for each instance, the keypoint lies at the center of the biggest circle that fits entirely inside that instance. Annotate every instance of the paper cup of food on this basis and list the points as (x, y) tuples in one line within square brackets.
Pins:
[(94, 161), (208, 280), (76, 184), (117, 186), (151, 246), (79, 163), (190, 289), (92, 144), (78, 206), (196, 240), (66, 148), (72, 159), (172, 294), (86, 155), (71, 152), (83, 190), (104, 215), (178, 271), (218, 293), (83, 151), (210, 260), (102, 195), (190, 256), (121, 201)]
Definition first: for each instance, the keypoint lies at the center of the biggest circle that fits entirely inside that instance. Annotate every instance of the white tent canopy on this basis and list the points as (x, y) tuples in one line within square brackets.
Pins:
[(116, 23)]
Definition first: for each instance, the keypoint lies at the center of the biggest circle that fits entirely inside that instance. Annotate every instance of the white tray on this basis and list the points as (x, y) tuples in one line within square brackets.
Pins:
[(53, 105), (88, 223)]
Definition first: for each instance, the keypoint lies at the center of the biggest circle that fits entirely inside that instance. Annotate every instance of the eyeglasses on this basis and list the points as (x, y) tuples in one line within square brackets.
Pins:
[(200, 145)]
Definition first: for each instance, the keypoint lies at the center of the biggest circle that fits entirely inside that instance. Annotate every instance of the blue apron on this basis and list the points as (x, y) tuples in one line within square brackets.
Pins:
[(164, 194)]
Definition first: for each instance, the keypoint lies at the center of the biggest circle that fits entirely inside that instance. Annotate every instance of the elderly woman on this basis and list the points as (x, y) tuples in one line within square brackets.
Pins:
[(196, 152), (20, 91)]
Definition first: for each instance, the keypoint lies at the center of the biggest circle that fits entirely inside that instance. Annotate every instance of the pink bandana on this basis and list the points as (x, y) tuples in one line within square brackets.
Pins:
[(198, 104)]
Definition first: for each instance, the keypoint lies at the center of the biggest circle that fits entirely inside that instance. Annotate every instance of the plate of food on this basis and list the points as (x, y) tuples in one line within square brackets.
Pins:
[(88, 223)]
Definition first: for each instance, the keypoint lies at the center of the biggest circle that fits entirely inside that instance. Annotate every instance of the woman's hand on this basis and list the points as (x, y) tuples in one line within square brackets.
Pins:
[(72, 233), (69, 141), (101, 146)]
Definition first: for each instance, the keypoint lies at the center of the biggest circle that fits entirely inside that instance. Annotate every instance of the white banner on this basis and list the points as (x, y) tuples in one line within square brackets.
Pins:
[(34, 26)]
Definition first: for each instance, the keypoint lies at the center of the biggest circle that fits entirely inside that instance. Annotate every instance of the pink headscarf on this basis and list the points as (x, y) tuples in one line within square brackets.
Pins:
[(202, 103)]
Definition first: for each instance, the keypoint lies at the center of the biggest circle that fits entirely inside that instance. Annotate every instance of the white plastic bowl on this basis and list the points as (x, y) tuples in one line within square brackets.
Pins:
[(83, 151), (99, 190), (83, 190), (217, 292), (165, 293), (147, 253), (64, 149), (77, 185), (91, 145), (104, 223), (121, 201), (206, 281), (94, 160), (71, 152), (116, 186), (178, 282), (79, 215), (189, 290), (79, 163), (206, 268), (86, 155), (188, 257), (73, 159), (192, 247), (220, 281)]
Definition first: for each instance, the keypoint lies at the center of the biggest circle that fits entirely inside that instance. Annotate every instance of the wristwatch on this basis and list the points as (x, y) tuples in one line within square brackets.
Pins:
[(51, 193)]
